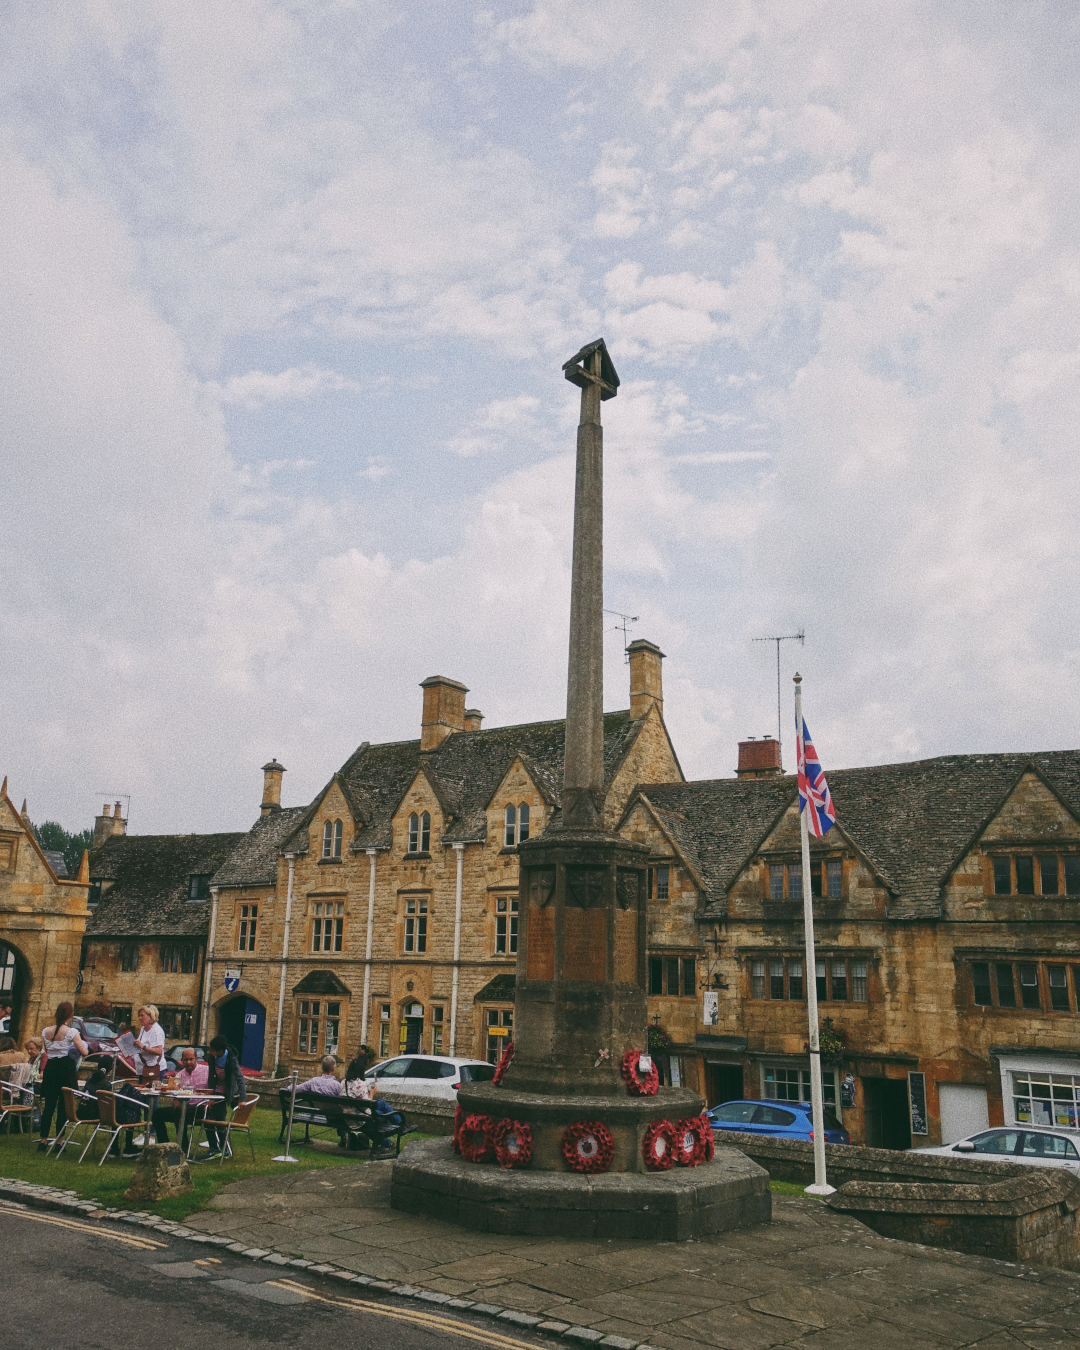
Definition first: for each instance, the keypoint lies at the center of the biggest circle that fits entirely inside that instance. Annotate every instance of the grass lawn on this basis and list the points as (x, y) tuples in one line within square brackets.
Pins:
[(19, 1158), (777, 1187)]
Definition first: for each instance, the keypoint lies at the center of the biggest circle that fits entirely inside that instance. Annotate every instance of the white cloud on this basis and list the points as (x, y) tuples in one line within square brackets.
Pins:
[(256, 388)]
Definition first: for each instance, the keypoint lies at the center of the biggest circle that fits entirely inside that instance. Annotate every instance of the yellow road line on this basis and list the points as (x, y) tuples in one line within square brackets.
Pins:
[(417, 1318), (57, 1221)]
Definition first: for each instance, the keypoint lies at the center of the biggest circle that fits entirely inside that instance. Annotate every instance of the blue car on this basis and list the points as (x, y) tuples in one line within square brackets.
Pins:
[(783, 1120)]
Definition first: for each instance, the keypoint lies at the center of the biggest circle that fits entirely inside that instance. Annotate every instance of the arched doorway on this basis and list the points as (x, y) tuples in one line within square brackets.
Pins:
[(242, 1021), (412, 1029), (14, 988)]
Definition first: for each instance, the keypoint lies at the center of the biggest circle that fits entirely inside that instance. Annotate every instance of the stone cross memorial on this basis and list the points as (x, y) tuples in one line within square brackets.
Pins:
[(575, 1135)]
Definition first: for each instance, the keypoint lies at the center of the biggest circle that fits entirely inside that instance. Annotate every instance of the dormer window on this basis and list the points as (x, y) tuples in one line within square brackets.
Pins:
[(517, 825), (420, 832), (198, 886), (331, 839)]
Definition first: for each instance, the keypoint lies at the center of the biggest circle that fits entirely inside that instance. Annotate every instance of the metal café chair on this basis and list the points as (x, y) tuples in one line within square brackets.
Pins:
[(239, 1120), (71, 1125), (107, 1123), (16, 1103)]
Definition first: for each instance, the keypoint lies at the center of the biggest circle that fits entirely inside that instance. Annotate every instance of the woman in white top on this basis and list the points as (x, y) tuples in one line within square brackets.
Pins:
[(150, 1042), (63, 1048)]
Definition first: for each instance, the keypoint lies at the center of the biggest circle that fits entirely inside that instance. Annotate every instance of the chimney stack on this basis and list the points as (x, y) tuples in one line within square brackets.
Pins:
[(646, 678), (271, 800), (110, 822), (444, 710), (759, 758), (473, 718)]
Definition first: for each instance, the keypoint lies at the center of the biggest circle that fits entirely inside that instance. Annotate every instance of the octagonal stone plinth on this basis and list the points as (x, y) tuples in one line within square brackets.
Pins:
[(685, 1202)]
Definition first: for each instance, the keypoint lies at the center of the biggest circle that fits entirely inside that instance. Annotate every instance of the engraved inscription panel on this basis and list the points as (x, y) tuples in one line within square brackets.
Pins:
[(540, 955), (585, 937), (626, 947)]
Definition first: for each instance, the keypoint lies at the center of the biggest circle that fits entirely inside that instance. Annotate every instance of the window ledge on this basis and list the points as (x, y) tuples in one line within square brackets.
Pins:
[(410, 857), (328, 862)]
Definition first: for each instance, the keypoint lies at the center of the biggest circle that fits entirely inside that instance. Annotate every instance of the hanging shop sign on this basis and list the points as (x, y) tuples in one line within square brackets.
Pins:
[(710, 1008), (232, 981)]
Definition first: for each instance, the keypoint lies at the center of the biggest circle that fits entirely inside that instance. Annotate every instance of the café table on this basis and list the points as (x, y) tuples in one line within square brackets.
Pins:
[(184, 1097)]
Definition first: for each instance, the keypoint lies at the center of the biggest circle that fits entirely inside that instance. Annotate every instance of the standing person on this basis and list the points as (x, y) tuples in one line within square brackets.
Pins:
[(224, 1076), (63, 1046), (150, 1044)]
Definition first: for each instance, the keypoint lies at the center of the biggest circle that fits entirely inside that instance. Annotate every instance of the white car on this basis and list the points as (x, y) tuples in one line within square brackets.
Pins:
[(429, 1075), (1017, 1144)]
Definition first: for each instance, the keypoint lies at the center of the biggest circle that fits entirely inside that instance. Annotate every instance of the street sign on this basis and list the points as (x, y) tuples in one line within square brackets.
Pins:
[(232, 981)]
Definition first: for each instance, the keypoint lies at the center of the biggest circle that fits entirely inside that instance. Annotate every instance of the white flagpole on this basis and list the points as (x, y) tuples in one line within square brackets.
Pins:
[(821, 1185)]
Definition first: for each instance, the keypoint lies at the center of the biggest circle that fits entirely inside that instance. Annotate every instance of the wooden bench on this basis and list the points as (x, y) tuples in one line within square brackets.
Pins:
[(347, 1115)]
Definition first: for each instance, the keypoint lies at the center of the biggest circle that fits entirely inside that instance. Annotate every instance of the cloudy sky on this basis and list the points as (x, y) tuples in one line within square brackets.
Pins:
[(285, 293)]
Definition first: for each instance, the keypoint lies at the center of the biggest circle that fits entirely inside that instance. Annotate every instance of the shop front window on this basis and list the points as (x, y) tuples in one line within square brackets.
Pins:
[(1047, 1099)]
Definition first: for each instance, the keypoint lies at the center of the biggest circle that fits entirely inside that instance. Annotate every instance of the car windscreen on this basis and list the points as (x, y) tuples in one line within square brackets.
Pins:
[(477, 1073), (101, 1031), (733, 1113)]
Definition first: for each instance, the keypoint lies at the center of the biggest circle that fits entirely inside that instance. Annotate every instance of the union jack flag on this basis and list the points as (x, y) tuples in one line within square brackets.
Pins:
[(812, 785)]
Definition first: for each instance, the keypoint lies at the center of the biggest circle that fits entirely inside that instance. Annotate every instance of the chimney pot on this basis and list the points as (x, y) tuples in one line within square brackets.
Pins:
[(473, 719), (759, 759), (117, 812), (444, 710), (271, 799), (646, 677), (106, 810)]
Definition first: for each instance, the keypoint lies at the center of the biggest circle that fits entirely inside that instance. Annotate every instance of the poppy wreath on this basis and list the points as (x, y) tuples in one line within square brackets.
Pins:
[(459, 1120), (640, 1085), (693, 1139), (709, 1151), (475, 1138), (660, 1146), (513, 1143), (505, 1060), (588, 1146)]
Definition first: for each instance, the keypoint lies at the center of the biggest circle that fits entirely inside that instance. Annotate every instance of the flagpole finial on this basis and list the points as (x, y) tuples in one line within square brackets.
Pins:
[(797, 678)]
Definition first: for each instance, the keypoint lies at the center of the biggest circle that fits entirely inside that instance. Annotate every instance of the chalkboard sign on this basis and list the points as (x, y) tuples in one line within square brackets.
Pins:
[(917, 1094)]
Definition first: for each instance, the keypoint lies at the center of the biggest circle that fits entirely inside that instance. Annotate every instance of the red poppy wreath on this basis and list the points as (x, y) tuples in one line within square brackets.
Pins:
[(588, 1146), (475, 1138), (659, 1148), (641, 1085), (505, 1060), (709, 1150), (459, 1120), (513, 1143), (692, 1138)]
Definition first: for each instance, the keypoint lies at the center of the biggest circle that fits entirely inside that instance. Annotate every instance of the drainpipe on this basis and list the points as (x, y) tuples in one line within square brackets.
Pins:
[(208, 967), (367, 949), (284, 958), (459, 849)]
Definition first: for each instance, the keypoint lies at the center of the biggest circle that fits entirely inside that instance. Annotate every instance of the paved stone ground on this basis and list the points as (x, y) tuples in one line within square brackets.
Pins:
[(811, 1279)]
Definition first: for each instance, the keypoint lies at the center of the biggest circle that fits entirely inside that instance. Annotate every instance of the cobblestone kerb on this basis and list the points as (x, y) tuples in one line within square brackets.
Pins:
[(729, 1193)]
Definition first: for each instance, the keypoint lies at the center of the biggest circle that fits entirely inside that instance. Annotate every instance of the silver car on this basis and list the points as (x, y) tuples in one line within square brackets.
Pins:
[(1017, 1144), (429, 1075)]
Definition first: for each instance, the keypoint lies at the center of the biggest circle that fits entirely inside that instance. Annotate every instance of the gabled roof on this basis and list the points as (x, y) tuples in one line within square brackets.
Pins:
[(151, 875), (912, 822), (254, 860), (322, 982), (464, 772)]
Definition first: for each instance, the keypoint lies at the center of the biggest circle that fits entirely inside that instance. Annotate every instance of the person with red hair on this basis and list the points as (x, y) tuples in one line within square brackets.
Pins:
[(63, 1049)]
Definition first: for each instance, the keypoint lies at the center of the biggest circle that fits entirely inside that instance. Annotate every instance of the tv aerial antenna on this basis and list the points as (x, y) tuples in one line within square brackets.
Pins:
[(623, 627), (799, 637)]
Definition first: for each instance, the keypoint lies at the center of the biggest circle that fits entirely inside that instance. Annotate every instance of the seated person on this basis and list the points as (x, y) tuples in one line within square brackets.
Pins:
[(327, 1083), (382, 1119), (102, 1078), (225, 1077), (35, 1053), (10, 1052), (192, 1075)]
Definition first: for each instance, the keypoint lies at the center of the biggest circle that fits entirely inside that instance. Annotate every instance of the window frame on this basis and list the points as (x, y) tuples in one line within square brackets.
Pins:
[(763, 977), (247, 925), (507, 915), (415, 936), (327, 927), (179, 958), (1050, 995), (665, 965)]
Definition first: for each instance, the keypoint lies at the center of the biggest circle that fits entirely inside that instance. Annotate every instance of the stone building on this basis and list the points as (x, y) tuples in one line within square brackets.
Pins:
[(150, 915), (948, 947), (385, 912), (42, 919)]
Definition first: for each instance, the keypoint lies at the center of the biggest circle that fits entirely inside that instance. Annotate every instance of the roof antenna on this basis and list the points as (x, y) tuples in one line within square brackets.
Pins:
[(624, 628), (799, 637)]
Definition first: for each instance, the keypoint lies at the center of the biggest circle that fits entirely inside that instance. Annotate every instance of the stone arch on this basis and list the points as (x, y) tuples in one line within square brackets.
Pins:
[(16, 984)]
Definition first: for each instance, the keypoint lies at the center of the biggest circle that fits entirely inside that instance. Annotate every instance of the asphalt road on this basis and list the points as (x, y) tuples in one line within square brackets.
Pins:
[(83, 1284)]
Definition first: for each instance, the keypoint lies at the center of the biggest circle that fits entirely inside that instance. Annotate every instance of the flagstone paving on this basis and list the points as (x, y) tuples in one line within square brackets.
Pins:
[(812, 1279)]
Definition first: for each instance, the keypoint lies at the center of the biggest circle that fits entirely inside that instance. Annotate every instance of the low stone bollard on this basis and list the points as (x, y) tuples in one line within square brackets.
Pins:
[(161, 1171)]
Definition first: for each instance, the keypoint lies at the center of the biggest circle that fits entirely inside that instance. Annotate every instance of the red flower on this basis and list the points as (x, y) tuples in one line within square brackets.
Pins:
[(588, 1146), (505, 1060), (459, 1118), (694, 1141), (475, 1138), (709, 1151), (659, 1148), (513, 1143), (640, 1086)]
